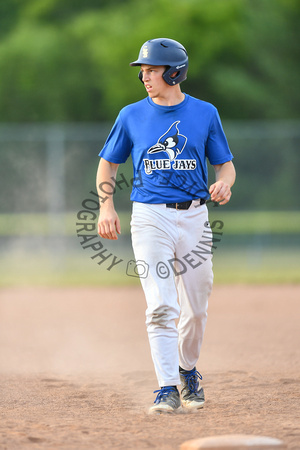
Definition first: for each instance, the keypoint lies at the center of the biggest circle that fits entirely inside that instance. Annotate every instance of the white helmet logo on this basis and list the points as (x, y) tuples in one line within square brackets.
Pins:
[(145, 52)]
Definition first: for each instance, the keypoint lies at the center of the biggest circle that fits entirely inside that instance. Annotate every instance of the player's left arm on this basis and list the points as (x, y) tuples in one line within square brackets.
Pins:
[(220, 191)]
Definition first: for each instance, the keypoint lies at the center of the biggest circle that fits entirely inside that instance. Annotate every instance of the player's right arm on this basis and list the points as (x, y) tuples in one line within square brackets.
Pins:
[(108, 222)]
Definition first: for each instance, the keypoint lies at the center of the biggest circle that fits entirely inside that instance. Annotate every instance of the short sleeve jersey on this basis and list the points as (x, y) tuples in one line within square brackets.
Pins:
[(169, 146)]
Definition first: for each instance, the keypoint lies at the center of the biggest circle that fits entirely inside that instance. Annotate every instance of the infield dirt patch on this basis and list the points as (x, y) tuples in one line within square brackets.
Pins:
[(76, 371)]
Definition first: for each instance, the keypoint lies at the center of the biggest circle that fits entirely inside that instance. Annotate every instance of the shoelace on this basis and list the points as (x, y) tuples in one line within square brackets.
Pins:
[(163, 392), (192, 379)]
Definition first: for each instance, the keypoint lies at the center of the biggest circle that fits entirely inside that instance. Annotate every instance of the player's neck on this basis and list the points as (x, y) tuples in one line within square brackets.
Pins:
[(170, 97)]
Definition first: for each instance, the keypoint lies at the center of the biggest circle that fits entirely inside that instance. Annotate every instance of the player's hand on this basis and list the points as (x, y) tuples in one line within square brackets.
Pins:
[(109, 224), (220, 192)]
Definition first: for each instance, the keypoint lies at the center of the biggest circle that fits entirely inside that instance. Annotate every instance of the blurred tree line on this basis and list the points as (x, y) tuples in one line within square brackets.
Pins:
[(68, 60)]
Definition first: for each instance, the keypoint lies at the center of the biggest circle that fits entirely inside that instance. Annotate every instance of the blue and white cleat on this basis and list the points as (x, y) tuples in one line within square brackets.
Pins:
[(192, 394), (167, 400)]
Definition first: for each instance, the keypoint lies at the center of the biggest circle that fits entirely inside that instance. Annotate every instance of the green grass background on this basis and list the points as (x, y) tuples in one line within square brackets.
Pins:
[(256, 247), (235, 222)]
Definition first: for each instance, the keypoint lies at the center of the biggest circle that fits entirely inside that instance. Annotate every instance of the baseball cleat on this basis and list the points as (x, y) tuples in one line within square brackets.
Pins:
[(192, 394), (167, 400)]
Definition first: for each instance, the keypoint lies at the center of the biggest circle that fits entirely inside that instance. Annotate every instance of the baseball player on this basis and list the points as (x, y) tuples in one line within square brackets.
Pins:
[(170, 135)]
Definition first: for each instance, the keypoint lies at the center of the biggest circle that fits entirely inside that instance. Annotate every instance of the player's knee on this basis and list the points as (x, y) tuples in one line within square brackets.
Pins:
[(161, 316), (198, 316)]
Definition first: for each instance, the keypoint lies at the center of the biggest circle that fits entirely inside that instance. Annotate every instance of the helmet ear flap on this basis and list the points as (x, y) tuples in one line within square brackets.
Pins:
[(166, 76), (180, 74), (141, 76)]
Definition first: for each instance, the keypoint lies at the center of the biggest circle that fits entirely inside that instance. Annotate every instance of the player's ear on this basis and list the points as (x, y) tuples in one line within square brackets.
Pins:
[(174, 75)]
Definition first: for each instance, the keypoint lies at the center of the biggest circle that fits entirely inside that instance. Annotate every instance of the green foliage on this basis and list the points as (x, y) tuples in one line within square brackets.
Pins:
[(45, 75), (69, 61), (263, 83), (9, 15)]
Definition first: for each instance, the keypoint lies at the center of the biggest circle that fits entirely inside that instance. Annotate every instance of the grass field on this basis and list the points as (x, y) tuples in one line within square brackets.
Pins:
[(256, 247), (236, 222)]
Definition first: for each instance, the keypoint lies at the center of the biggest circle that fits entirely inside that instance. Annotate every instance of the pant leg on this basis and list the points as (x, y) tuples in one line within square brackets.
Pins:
[(154, 236), (195, 284)]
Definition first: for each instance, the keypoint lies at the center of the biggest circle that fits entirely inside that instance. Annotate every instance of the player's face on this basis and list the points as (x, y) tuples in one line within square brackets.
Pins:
[(153, 80)]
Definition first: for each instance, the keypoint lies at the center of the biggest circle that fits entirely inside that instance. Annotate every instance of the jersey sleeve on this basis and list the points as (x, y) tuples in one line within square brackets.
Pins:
[(118, 145), (217, 150)]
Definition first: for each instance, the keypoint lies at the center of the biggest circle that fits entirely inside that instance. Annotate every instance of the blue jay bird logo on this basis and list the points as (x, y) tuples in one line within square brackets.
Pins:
[(171, 142)]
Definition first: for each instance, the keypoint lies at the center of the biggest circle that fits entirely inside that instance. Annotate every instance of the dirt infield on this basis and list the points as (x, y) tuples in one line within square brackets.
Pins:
[(76, 371)]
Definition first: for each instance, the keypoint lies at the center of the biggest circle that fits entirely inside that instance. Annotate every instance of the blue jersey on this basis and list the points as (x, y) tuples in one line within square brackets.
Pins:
[(169, 146)]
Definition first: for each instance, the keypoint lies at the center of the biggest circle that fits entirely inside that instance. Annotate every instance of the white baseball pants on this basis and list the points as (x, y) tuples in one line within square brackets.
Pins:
[(172, 250)]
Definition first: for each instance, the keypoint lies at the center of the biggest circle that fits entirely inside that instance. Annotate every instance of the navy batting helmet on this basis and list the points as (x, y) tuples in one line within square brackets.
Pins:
[(164, 52)]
